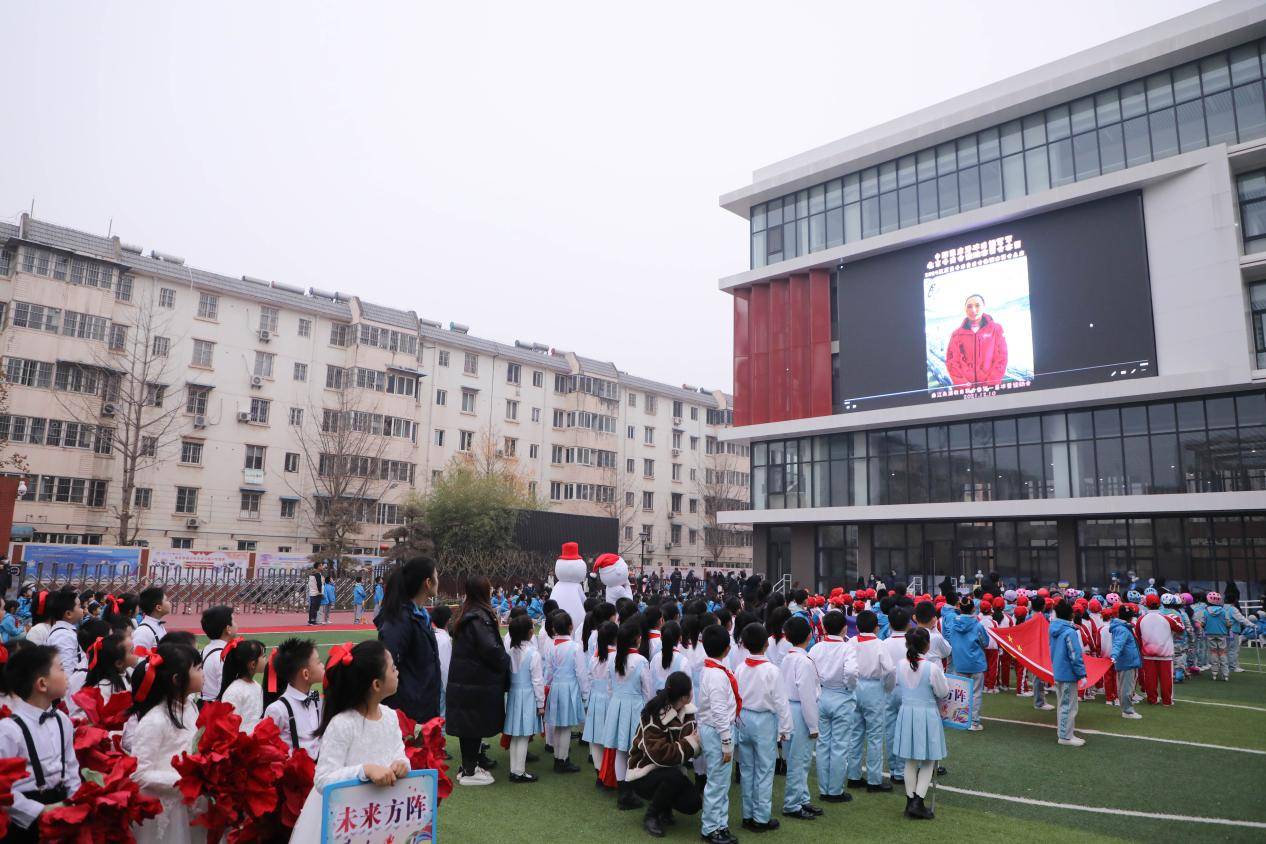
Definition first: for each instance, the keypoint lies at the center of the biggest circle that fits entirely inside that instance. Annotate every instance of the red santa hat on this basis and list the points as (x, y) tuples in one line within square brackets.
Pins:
[(1095, 606), (837, 591), (988, 596), (605, 560), (1021, 611), (1152, 601), (571, 551), (838, 600)]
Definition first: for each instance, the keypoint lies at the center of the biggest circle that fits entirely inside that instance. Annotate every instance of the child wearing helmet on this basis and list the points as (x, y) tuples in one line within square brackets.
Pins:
[(1217, 626)]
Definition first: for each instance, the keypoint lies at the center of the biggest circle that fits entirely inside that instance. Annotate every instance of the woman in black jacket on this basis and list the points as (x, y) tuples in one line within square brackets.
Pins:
[(404, 626), (477, 679)]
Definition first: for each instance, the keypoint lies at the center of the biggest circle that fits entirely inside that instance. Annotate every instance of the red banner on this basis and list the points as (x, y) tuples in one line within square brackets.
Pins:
[(1030, 644)]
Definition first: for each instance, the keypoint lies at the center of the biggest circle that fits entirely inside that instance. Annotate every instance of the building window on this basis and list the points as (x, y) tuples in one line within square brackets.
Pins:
[(676, 471), (441, 397), (181, 542), (259, 410), (648, 501), (534, 451), (208, 306), (632, 399), (196, 399), (340, 334), (465, 440), (694, 414), (123, 292), (674, 534), (512, 410), (471, 364), (166, 297), (652, 404), (677, 409), (186, 499), (648, 533), (255, 457), (264, 364), (305, 327), (536, 414), (648, 468), (630, 499), (296, 416), (250, 505), (675, 505), (693, 536), (677, 435), (268, 319), (149, 446), (291, 463), (468, 401), (648, 435), (142, 497), (202, 352), (439, 437), (538, 378), (628, 533), (441, 357), (511, 447), (631, 432), (288, 508), (161, 346), (118, 337), (301, 372), (191, 452), (513, 373), (1257, 296), (336, 377), (247, 544)]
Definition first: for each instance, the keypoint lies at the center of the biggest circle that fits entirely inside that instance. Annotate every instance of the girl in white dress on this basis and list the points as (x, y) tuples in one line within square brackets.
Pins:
[(242, 660), (360, 738), (166, 727)]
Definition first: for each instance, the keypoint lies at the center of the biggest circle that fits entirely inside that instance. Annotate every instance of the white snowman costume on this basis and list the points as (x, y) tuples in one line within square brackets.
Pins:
[(614, 573), (569, 590)]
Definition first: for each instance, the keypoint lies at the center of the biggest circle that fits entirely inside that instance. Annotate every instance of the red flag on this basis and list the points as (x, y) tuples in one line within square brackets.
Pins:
[(1030, 645)]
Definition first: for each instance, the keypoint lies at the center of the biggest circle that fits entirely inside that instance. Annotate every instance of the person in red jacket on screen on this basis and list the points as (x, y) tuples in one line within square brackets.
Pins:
[(976, 354)]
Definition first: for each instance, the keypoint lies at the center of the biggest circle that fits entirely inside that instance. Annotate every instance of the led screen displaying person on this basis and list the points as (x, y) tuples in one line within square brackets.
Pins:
[(976, 354)]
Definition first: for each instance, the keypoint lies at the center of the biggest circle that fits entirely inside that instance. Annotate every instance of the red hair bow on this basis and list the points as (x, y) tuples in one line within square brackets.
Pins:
[(228, 649), (39, 602), (94, 651), (271, 671), (152, 664), (143, 652), (115, 604), (339, 655)]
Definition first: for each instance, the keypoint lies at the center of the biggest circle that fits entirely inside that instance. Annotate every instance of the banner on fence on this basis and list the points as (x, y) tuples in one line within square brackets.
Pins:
[(186, 559), (57, 561), (365, 813), (279, 562), (957, 705)]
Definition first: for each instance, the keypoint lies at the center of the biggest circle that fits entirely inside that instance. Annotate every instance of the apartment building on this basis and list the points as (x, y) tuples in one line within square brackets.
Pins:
[(246, 406)]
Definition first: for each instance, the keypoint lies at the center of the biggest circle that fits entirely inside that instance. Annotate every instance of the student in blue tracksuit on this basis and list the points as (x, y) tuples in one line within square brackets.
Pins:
[(1217, 627), (1067, 666), (358, 600), (328, 597), (1126, 659), (377, 594), (968, 638)]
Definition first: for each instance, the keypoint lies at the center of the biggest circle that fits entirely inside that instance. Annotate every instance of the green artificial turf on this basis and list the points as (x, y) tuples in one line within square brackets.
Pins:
[(1018, 760)]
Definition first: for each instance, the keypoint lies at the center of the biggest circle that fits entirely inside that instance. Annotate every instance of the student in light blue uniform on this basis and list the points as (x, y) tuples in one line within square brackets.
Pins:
[(800, 680), (378, 592), (525, 701), (895, 645), (919, 734), (599, 693), (567, 676), (836, 665), (630, 690), (718, 708), (874, 682), (358, 601), (328, 597), (766, 717)]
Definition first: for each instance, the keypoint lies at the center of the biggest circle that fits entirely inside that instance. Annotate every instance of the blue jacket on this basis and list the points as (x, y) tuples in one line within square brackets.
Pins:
[(378, 593), (1216, 620), (1067, 663), (328, 595), (1125, 648), (968, 639), (9, 628), (358, 594)]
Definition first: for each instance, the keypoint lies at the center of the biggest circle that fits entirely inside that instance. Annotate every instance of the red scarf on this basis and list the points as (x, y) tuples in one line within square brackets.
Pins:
[(560, 640), (753, 661), (832, 639), (865, 637), (709, 662)]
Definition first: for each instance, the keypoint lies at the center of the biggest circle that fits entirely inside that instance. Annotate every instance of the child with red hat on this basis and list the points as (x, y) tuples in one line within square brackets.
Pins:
[(1156, 633)]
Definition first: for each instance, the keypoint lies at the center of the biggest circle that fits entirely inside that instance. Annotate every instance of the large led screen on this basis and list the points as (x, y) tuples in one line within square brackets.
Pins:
[(1054, 300)]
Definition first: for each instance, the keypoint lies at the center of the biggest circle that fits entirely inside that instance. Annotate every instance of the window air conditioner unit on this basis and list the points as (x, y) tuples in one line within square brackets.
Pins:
[(199, 421), (676, 452), (108, 409), (192, 523), (676, 420), (667, 546), (243, 416), (257, 381), (265, 335)]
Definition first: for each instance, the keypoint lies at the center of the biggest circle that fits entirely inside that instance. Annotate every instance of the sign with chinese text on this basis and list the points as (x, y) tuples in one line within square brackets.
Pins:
[(357, 812), (175, 560), (957, 705)]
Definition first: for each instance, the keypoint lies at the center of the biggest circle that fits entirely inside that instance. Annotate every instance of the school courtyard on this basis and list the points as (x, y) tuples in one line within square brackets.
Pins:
[(1194, 770)]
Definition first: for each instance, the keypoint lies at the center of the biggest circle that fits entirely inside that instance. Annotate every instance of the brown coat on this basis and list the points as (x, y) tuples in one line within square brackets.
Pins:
[(663, 741)]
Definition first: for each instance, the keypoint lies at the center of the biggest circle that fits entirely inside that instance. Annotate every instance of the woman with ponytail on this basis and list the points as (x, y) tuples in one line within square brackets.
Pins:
[(599, 689), (919, 734), (404, 626), (360, 737), (630, 690), (478, 677)]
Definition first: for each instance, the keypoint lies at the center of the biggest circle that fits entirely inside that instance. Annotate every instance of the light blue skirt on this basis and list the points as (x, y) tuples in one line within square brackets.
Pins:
[(919, 733), (624, 714), (596, 715), (564, 706), (521, 717)]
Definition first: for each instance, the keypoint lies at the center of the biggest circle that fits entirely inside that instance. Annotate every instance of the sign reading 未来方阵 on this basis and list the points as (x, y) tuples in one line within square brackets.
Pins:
[(956, 706), (356, 812)]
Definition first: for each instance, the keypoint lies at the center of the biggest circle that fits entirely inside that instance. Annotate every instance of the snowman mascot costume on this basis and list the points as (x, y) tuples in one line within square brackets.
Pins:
[(614, 573), (569, 590)]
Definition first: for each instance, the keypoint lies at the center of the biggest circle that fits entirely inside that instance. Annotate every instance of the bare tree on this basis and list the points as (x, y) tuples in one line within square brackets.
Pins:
[(128, 393), (347, 471), (720, 489), (9, 461), (488, 458), (618, 507)]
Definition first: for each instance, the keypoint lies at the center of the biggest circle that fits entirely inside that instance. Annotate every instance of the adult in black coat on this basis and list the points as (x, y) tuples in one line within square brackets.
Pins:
[(404, 626), (478, 676)]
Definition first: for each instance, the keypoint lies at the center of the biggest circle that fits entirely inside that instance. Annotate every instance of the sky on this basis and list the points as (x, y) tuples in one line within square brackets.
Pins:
[(537, 171)]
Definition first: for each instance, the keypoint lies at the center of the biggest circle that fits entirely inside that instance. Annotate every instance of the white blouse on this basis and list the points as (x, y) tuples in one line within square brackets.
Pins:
[(247, 698), (155, 740)]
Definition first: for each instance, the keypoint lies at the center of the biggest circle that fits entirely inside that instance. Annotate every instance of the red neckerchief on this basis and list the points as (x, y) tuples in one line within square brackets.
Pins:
[(654, 634), (709, 662), (633, 651), (560, 640), (832, 639), (866, 637), (753, 661)]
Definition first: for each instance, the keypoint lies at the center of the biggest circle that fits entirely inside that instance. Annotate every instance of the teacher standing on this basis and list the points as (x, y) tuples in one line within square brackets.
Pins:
[(404, 626), (478, 675)]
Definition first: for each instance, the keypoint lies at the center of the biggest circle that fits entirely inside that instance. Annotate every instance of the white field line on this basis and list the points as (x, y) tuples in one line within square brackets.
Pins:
[(1028, 801), (1218, 703), (1085, 731)]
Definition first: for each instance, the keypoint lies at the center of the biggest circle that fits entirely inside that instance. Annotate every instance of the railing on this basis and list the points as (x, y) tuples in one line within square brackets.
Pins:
[(783, 584)]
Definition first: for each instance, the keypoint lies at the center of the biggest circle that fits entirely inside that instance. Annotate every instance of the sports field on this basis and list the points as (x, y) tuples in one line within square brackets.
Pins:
[(1196, 769)]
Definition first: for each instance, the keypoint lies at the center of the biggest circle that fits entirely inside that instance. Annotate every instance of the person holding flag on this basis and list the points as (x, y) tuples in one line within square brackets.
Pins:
[(1068, 667)]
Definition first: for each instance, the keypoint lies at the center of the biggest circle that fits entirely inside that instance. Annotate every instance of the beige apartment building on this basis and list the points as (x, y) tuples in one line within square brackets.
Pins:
[(235, 409)]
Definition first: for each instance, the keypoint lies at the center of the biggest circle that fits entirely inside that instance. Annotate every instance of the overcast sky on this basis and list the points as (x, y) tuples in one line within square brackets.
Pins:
[(538, 171)]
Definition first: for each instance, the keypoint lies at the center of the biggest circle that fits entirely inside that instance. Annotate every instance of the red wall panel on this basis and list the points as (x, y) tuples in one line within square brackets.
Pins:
[(798, 358), (819, 352), (779, 348), (742, 358), (760, 338)]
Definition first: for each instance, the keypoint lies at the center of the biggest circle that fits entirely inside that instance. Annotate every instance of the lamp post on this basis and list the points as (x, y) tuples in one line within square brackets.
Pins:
[(644, 537)]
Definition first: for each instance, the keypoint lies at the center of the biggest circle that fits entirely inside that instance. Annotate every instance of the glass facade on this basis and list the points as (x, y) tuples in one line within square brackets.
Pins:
[(1216, 100), (1251, 188), (1257, 304), (1214, 444)]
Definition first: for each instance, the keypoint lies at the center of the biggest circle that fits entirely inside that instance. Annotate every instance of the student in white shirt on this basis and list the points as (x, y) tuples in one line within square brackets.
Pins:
[(152, 629), (837, 708), (874, 682), (766, 718), (40, 627), (895, 645), (65, 613), (242, 660), (295, 668), (800, 680), (217, 623), (670, 658), (718, 706), (440, 617)]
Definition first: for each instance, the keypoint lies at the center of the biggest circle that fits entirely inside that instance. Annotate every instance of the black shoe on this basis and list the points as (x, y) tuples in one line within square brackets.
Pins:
[(666, 818), (801, 813), (701, 782), (920, 810), (910, 808), (549, 749), (652, 825), (524, 777), (486, 763), (856, 783), (565, 766), (720, 836), (780, 767), (532, 757), (809, 807), (761, 826), (842, 797), (628, 800), (883, 786), (941, 771)]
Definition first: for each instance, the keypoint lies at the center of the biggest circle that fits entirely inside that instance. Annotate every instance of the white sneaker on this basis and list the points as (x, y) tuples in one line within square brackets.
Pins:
[(1237, 669), (479, 777), (1045, 707), (1133, 716), (975, 728), (1073, 742), (1024, 694)]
